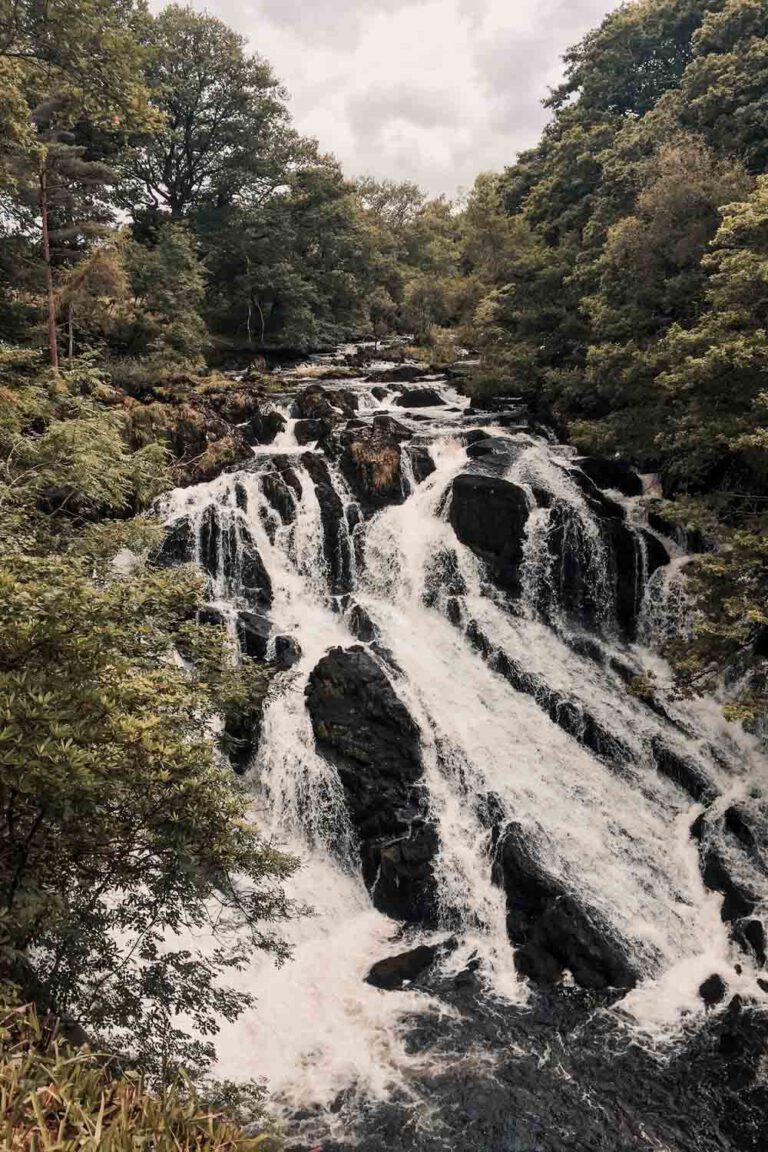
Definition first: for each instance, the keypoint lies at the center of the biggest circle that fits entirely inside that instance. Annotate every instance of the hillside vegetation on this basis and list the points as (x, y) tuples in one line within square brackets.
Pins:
[(161, 218)]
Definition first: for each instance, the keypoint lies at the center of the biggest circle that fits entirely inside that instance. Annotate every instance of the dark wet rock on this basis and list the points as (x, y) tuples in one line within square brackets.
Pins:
[(279, 496), (379, 392), (607, 473), (494, 403), (684, 771), (253, 632), (178, 547), (309, 431), (739, 900), (422, 463), (489, 515), (442, 577), (364, 729), (386, 425), (568, 714), (287, 472), (211, 615), (395, 970), (336, 544), (250, 573), (656, 554), (287, 652), (241, 740), (629, 557), (474, 436), (210, 540), (402, 374), (314, 403), (371, 463), (550, 928), (689, 539), (749, 933), (346, 400), (712, 990), (229, 552), (737, 823), (361, 625), (494, 452), (420, 398), (265, 426), (351, 425), (698, 826)]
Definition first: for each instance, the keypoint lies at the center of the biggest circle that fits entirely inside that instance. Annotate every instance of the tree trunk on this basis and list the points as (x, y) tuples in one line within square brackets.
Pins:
[(70, 334), (53, 346)]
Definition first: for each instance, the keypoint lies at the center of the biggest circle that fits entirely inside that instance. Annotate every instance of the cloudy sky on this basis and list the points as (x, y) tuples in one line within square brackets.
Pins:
[(428, 90)]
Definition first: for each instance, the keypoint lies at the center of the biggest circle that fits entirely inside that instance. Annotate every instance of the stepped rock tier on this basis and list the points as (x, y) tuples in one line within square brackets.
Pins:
[(538, 881)]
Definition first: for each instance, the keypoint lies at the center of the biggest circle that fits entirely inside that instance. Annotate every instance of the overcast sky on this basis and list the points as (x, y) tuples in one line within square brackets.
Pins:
[(428, 90)]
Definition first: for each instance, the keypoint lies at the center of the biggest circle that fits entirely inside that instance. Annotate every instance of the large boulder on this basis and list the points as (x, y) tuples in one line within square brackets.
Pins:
[(316, 403), (608, 473), (253, 633), (394, 971), (489, 515), (178, 546), (592, 569), (336, 544), (551, 929), (280, 495), (419, 398), (265, 425), (364, 729), (371, 462), (683, 771), (228, 553), (422, 464), (307, 431)]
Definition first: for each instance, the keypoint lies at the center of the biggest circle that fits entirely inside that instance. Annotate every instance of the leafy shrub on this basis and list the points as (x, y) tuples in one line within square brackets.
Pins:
[(68, 1099)]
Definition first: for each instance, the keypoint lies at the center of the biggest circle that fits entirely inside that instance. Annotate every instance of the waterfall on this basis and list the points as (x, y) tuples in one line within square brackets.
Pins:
[(541, 778)]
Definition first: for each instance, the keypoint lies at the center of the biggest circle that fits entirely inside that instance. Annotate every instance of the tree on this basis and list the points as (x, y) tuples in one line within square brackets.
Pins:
[(295, 269), (716, 371), (120, 827), (724, 90), (637, 54), (58, 191), (92, 292), (168, 284), (225, 124), (90, 48)]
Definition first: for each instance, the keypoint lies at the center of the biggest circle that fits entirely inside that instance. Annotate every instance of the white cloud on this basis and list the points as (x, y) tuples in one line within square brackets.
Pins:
[(427, 90)]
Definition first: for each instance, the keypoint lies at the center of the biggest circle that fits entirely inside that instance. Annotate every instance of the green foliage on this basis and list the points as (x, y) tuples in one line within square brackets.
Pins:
[(631, 304), (224, 128), (124, 834), (121, 826), (55, 1095), (730, 633), (169, 288), (91, 48)]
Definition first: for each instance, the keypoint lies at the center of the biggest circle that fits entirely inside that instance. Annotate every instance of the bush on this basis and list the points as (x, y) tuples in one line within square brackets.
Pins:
[(56, 1096)]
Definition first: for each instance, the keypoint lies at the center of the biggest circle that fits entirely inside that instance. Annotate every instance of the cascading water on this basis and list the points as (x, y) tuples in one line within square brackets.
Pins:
[(461, 610)]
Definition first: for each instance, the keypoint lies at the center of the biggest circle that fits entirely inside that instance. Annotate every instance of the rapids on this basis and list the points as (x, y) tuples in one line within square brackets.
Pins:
[(530, 733)]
